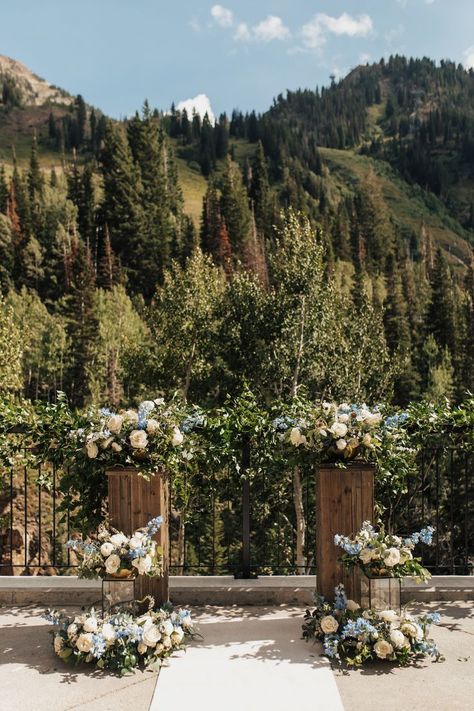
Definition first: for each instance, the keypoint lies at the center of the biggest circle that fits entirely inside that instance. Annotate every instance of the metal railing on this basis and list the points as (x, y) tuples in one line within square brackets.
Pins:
[(221, 523)]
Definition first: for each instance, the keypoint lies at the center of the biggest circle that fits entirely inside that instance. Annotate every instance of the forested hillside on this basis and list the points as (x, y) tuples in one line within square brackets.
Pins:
[(325, 244)]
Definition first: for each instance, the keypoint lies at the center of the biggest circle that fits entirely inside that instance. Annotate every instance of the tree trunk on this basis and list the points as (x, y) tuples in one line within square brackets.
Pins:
[(300, 522)]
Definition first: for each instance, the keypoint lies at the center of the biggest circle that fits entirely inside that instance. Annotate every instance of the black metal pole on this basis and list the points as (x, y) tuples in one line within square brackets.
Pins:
[(246, 571)]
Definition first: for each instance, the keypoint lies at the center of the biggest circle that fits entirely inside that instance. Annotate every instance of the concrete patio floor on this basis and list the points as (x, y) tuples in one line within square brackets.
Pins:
[(251, 658)]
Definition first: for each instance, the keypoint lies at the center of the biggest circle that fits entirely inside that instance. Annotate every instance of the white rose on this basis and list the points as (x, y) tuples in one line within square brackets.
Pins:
[(167, 627), (143, 565), (72, 630), (372, 418), (177, 437), (296, 438), (398, 639), (177, 635), (339, 429), (147, 405), (329, 624), (112, 564), (366, 555), (341, 444), (84, 642), (142, 648), (138, 439), (166, 642), (366, 440), (388, 616), (391, 557), (343, 418), (152, 426), (352, 606), (90, 625), (411, 629), (92, 449), (114, 423), (131, 416), (108, 633), (58, 644), (116, 447), (118, 539), (106, 442), (106, 549), (383, 649), (151, 635)]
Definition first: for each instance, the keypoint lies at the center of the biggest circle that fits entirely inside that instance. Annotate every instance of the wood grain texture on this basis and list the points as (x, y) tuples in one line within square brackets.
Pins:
[(133, 501), (344, 500)]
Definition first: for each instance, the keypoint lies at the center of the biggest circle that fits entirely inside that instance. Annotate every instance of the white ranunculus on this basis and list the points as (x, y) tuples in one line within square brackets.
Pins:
[(106, 442), (296, 438), (143, 565), (114, 423), (134, 542), (412, 629), (177, 635), (92, 449), (72, 630), (90, 625), (166, 627), (366, 555), (352, 606), (338, 429), (383, 649), (147, 405), (341, 444), (159, 401), (118, 539), (177, 437), (391, 557), (388, 616), (131, 416), (138, 439), (141, 648), (166, 642), (106, 549), (116, 447), (372, 418), (398, 639), (367, 440), (151, 635), (152, 426), (343, 418), (108, 633), (112, 564), (58, 643), (84, 642), (329, 624)]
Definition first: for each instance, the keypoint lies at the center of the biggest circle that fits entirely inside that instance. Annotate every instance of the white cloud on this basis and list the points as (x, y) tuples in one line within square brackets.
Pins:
[(272, 28), (314, 32), (242, 33), (200, 103), (195, 25), (468, 56), (222, 15)]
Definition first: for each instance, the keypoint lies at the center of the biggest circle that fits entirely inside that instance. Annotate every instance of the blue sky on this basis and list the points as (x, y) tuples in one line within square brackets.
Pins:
[(240, 53)]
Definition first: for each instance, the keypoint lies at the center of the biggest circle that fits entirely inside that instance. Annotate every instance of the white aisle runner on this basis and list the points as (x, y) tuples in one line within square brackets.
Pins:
[(251, 659)]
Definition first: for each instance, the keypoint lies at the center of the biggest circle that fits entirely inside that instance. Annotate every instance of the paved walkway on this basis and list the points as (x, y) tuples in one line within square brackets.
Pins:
[(252, 659)]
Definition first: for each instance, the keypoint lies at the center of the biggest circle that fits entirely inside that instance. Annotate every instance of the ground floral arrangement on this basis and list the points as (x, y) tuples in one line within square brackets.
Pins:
[(353, 635), (112, 553), (121, 642), (384, 555)]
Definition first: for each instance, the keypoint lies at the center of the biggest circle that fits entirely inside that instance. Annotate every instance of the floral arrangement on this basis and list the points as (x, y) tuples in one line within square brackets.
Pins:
[(112, 553), (353, 635), (387, 555), (121, 642), (333, 431), (142, 437)]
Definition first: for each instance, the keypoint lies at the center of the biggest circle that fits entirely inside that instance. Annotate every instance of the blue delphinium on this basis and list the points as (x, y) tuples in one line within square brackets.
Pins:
[(396, 420), (340, 598), (283, 423), (345, 543), (98, 646), (154, 525), (354, 628), (423, 536), (191, 422), (433, 618), (330, 645), (105, 412)]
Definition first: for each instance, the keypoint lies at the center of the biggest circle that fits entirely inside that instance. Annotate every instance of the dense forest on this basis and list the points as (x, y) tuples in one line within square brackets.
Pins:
[(333, 250)]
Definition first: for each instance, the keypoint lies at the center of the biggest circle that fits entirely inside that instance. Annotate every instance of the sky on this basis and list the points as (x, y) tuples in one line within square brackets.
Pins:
[(238, 54)]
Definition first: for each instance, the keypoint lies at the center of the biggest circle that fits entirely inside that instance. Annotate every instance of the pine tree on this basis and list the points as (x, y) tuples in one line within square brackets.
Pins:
[(259, 191), (442, 310), (3, 191), (234, 206), (211, 221)]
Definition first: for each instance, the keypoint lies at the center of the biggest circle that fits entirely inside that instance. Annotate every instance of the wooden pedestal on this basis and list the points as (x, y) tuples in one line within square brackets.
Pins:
[(133, 501), (344, 500)]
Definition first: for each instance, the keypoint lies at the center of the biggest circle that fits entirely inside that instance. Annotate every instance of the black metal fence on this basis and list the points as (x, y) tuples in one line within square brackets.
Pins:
[(245, 525)]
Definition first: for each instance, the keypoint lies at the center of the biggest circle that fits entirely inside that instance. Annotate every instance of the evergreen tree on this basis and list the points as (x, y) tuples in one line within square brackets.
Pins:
[(3, 191), (234, 206)]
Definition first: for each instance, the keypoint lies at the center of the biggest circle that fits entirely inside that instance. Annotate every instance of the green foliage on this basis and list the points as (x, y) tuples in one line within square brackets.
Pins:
[(11, 351)]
